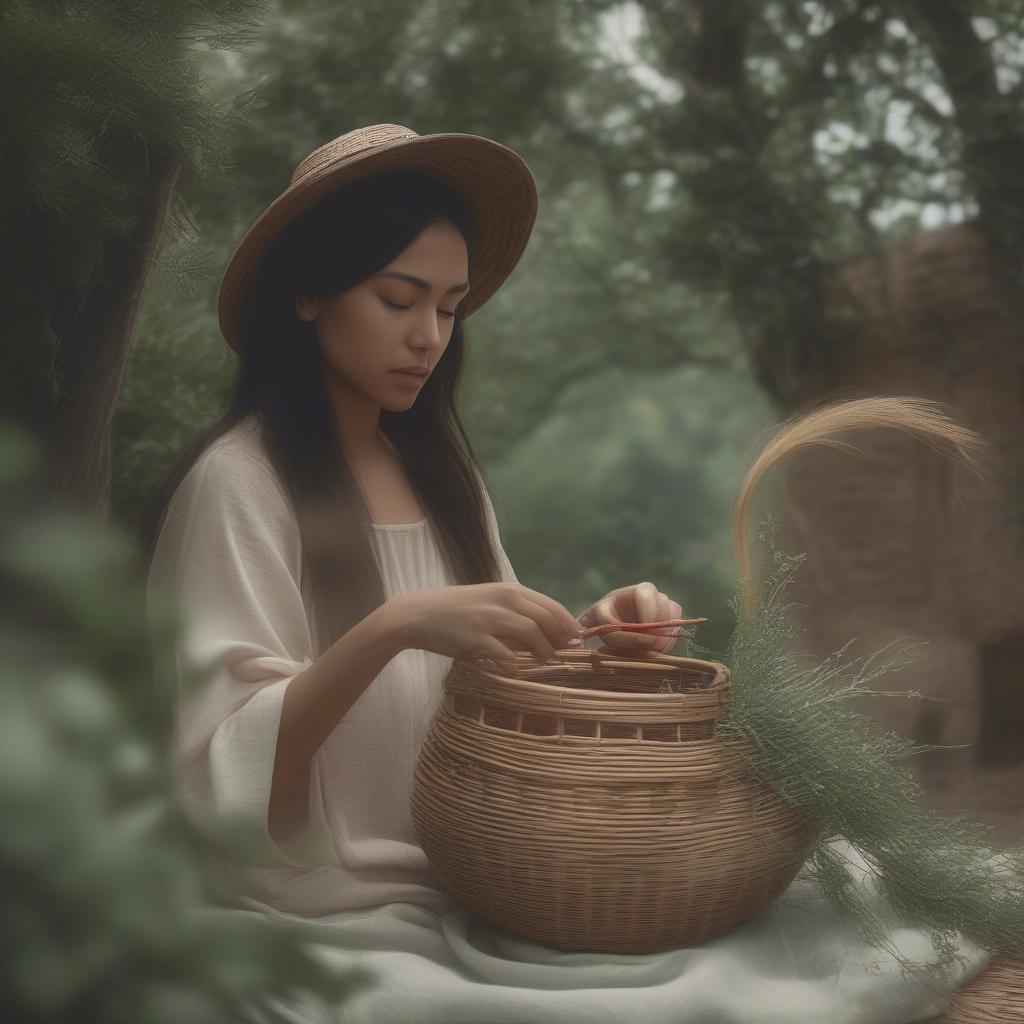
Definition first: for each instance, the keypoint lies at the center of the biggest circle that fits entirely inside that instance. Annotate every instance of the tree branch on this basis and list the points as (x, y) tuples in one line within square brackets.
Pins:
[(991, 127)]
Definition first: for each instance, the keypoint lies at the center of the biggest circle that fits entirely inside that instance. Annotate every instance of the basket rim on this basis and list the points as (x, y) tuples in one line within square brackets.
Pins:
[(717, 688)]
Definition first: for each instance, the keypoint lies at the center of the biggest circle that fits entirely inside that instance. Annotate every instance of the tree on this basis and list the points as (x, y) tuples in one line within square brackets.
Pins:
[(717, 182), (104, 114)]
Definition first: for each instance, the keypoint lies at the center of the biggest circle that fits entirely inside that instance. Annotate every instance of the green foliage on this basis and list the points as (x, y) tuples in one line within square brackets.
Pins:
[(836, 769), (176, 383), (637, 486), (651, 209), (103, 910), (100, 97)]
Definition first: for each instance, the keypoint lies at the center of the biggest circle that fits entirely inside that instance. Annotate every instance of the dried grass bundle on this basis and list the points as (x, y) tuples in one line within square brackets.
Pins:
[(830, 762)]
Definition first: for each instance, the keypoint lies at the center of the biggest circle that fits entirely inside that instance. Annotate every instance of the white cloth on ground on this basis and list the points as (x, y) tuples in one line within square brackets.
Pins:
[(228, 557)]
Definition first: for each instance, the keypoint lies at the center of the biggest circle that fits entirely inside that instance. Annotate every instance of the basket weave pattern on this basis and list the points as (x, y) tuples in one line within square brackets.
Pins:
[(995, 996), (590, 805)]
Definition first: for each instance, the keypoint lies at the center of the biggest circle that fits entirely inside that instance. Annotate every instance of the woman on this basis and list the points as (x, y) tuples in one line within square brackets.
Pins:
[(332, 547)]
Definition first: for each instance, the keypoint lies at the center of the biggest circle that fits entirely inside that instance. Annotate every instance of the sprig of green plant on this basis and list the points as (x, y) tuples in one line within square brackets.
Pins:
[(835, 768)]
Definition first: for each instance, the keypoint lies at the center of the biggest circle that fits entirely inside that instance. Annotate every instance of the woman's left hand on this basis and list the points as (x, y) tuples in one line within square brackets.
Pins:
[(641, 602)]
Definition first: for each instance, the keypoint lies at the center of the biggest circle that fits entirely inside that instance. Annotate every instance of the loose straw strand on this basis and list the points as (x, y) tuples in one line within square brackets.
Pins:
[(641, 627), (919, 417)]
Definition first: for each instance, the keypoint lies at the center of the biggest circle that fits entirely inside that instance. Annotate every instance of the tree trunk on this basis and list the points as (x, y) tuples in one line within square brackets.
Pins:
[(93, 353), (992, 127)]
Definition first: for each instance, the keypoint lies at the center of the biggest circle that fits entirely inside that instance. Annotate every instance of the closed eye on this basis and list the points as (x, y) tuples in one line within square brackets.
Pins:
[(394, 305)]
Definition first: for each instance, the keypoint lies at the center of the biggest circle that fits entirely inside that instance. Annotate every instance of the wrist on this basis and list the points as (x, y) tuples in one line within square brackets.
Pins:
[(392, 625)]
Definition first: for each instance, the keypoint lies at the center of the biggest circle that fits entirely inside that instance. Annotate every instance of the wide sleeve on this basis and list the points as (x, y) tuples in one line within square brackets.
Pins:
[(228, 559)]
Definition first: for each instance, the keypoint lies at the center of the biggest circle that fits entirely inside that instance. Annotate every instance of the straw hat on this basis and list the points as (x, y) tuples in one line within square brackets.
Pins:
[(493, 179)]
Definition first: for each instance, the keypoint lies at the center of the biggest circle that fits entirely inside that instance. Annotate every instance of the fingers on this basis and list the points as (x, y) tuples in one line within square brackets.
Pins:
[(557, 623), (675, 611), (607, 610), (525, 634), (648, 600), (636, 603), (502, 657), (617, 605), (643, 603), (663, 607)]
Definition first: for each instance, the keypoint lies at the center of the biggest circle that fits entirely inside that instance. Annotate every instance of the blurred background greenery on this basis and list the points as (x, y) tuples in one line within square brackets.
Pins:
[(706, 171), (105, 913)]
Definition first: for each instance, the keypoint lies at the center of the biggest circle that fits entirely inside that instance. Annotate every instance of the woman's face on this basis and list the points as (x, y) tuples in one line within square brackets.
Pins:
[(388, 321)]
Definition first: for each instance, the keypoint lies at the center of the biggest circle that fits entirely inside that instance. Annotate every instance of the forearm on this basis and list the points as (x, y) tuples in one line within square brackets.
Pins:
[(318, 698)]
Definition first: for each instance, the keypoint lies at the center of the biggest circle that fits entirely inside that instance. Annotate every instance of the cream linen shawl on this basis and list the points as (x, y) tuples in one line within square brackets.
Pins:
[(229, 557)]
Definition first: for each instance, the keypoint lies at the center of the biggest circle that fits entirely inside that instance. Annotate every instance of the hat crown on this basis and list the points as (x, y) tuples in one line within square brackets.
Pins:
[(493, 179), (351, 146)]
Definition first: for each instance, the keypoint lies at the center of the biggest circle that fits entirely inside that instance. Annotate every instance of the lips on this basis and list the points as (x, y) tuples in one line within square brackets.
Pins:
[(411, 379), (419, 371)]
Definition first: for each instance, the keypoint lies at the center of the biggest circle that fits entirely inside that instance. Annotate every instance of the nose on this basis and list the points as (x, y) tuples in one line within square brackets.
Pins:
[(429, 339)]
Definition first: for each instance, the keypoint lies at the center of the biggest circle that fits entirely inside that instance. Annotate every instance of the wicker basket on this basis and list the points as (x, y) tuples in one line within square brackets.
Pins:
[(589, 805), (995, 996)]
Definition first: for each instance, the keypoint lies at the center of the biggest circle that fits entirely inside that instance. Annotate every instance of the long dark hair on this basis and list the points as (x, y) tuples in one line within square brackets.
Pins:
[(338, 243)]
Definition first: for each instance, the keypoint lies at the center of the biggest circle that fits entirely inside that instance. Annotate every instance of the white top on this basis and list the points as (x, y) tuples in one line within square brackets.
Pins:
[(228, 554)]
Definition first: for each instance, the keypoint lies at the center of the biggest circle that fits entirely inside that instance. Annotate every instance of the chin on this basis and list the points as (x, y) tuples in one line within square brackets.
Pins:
[(398, 403)]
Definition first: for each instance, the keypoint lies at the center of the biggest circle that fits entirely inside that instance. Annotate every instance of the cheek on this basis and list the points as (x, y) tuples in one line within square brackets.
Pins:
[(349, 321), (356, 344)]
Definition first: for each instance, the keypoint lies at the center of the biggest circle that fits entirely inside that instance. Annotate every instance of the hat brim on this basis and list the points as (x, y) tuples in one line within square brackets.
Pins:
[(494, 180)]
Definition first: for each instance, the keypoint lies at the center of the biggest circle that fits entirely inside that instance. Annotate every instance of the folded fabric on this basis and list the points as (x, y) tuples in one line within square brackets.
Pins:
[(797, 962)]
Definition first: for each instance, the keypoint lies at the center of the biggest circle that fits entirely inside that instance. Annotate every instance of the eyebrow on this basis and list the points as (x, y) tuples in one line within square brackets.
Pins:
[(420, 283)]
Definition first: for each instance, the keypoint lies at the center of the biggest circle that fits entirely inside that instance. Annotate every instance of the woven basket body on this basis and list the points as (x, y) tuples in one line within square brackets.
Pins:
[(591, 805), (995, 996)]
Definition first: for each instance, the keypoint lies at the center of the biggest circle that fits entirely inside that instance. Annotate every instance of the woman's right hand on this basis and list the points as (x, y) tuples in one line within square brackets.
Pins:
[(484, 620)]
